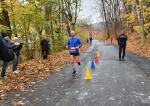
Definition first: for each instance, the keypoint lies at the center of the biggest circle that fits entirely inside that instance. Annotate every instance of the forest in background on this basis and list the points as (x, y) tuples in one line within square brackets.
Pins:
[(33, 20), (131, 15)]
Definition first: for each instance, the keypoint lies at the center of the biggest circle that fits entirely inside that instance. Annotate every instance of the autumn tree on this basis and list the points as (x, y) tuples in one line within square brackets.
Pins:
[(31, 20), (70, 10), (129, 14), (4, 18)]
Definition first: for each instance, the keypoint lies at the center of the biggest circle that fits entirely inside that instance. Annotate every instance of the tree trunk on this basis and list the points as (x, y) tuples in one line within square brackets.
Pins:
[(105, 18), (51, 26), (142, 24), (4, 20), (47, 28)]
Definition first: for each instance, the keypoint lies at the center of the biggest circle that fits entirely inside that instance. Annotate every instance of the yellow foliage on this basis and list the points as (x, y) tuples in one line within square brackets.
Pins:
[(137, 29)]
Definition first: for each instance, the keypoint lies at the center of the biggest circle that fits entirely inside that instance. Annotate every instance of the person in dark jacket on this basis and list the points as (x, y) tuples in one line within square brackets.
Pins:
[(6, 57), (5, 53), (87, 40), (45, 48), (122, 39), (91, 38)]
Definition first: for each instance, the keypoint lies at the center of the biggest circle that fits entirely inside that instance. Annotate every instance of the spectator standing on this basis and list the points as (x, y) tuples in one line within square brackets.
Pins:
[(5, 43), (122, 39), (17, 47), (45, 48)]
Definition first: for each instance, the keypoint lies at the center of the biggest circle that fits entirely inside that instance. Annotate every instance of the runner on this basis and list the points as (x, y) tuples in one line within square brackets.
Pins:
[(74, 44)]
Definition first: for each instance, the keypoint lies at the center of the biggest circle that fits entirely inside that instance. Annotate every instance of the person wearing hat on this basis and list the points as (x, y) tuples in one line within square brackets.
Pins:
[(17, 47), (122, 39)]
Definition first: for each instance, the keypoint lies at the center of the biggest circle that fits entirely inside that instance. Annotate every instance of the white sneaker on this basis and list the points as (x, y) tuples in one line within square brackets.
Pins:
[(16, 72)]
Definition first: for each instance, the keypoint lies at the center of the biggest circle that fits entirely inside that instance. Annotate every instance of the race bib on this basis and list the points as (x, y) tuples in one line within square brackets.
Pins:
[(72, 49)]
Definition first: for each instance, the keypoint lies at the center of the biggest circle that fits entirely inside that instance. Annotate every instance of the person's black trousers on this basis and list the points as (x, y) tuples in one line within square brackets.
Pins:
[(90, 42), (122, 50), (45, 53)]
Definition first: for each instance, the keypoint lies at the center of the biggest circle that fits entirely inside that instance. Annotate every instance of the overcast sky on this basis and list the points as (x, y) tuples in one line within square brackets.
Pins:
[(89, 12)]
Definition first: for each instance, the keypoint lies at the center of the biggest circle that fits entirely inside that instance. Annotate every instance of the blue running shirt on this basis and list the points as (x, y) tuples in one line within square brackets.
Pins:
[(74, 43)]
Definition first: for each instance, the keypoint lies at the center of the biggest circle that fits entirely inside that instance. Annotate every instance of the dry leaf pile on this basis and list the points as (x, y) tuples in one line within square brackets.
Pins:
[(134, 45), (34, 71)]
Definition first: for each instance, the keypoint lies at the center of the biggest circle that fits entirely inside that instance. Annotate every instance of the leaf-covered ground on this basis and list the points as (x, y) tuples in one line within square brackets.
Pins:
[(34, 71), (134, 45)]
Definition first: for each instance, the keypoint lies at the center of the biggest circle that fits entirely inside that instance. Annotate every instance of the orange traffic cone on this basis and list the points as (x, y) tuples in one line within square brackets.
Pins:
[(97, 54), (88, 74), (97, 60)]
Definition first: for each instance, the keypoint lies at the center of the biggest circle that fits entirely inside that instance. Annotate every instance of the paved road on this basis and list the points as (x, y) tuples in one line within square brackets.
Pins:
[(114, 83)]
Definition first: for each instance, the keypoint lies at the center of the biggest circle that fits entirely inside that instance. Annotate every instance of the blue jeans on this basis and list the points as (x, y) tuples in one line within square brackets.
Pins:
[(5, 65), (15, 63)]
